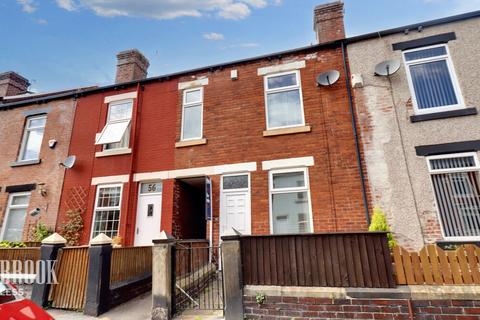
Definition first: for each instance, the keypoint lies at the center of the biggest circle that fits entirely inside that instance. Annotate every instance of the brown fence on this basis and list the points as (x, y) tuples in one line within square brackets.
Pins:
[(130, 263), (20, 254), (325, 260), (433, 265), (71, 271)]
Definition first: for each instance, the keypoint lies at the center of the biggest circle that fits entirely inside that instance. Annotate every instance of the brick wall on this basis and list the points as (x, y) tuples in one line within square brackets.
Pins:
[(234, 119), (324, 308), (58, 127)]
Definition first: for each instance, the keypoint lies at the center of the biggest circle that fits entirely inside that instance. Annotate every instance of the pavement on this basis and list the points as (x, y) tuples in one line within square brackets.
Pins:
[(135, 309)]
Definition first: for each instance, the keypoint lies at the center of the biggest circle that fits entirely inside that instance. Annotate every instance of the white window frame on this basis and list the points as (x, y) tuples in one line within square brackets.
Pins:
[(453, 76), (127, 131), (192, 104), (10, 206), (283, 89), (272, 191), (26, 136), (95, 207), (443, 171)]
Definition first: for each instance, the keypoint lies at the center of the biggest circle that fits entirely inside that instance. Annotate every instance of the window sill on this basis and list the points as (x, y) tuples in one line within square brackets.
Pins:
[(444, 115), (25, 163), (189, 143), (109, 153), (277, 132)]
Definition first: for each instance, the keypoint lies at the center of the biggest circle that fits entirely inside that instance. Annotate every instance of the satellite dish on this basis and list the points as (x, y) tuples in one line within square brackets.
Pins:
[(69, 162), (387, 68), (328, 78)]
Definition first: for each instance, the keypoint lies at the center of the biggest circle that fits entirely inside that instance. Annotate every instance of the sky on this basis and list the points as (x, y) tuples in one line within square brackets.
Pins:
[(61, 44)]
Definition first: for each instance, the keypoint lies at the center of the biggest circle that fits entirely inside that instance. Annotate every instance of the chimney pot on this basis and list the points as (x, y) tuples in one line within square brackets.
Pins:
[(131, 65), (328, 22), (11, 84)]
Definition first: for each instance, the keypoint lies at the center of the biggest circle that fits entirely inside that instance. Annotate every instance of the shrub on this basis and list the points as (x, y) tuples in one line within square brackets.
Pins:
[(71, 230), (41, 232), (379, 223), (11, 244)]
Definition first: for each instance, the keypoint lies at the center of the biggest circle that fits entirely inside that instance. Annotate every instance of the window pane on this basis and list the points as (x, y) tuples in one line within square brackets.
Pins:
[(193, 96), (282, 81), (458, 203), (433, 85), (109, 197), (235, 182), (37, 122), (290, 213), (284, 109), (106, 222), (426, 53), (120, 111), (288, 180), (113, 132), (192, 122), (33, 142), (14, 224), (20, 200)]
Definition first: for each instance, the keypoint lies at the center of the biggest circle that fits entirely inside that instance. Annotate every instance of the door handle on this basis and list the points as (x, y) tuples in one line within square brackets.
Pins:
[(137, 230)]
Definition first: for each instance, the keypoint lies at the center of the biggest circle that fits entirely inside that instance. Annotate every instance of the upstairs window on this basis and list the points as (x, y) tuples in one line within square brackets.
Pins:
[(32, 138), (290, 201), (192, 114), (432, 79), (116, 133), (283, 98), (456, 187)]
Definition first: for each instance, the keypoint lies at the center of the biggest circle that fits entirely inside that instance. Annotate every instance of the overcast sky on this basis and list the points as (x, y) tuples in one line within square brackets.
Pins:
[(60, 44)]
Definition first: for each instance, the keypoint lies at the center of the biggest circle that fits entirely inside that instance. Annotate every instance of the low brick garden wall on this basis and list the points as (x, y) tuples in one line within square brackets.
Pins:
[(324, 308), (399, 305)]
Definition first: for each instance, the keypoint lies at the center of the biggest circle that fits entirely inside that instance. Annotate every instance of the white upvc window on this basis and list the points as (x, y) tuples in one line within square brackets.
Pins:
[(456, 183), (290, 205), (16, 213), (107, 210), (192, 114), (116, 133), (432, 80), (32, 138), (283, 100)]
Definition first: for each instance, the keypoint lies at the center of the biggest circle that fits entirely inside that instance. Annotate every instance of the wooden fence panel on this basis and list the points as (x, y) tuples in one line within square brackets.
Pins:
[(433, 265), (334, 260), (130, 263), (21, 254), (71, 271)]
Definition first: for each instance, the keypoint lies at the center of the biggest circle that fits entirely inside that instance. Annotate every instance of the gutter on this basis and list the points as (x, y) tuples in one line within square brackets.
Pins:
[(355, 134)]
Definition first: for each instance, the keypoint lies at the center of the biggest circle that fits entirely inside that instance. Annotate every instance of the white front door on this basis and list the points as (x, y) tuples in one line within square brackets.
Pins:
[(149, 213), (235, 204)]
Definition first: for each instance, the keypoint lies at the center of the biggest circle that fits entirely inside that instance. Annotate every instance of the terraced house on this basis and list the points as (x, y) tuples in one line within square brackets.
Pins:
[(419, 127), (35, 131), (254, 144)]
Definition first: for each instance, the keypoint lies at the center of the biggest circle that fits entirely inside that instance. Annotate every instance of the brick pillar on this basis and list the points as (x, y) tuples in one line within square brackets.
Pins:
[(162, 277), (232, 275), (328, 22)]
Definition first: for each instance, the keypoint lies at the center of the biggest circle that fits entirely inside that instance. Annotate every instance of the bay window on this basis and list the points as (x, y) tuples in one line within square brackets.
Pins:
[(290, 208), (456, 187), (283, 99)]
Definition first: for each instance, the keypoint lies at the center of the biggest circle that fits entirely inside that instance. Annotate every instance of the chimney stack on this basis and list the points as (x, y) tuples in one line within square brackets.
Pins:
[(11, 84), (328, 22), (131, 65)]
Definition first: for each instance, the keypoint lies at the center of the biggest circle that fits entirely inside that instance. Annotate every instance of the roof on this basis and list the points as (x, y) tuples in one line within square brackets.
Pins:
[(43, 98)]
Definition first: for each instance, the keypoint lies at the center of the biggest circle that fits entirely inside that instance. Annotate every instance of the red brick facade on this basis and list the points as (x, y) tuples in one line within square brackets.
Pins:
[(393, 309)]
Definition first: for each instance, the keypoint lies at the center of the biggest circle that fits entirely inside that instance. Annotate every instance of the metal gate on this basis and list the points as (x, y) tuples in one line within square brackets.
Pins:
[(198, 278)]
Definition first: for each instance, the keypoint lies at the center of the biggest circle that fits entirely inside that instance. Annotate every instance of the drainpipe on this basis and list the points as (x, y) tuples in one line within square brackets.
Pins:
[(355, 133)]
